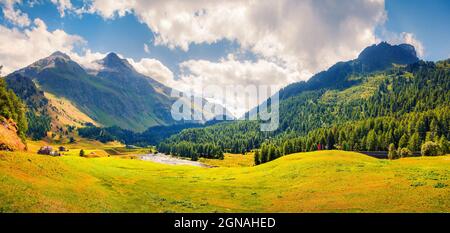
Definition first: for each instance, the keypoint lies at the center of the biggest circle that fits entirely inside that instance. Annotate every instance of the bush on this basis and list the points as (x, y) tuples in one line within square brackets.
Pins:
[(405, 152), (82, 153), (392, 152), (257, 157), (430, 149), (444, 145)]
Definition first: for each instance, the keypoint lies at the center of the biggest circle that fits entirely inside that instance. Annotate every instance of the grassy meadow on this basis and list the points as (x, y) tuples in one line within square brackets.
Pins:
[(325, 181)]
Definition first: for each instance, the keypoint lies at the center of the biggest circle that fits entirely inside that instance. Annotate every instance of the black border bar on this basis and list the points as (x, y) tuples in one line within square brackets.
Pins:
[(283, 222)]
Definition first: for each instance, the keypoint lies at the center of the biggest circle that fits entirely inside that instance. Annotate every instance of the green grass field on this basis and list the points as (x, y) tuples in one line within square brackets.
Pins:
[(325, 181)]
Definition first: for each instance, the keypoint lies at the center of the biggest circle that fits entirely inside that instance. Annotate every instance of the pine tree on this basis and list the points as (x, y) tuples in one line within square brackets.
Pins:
[(444, 145), (392, 151), (403, 141), (371, 141), (414, 142), (257, 157)]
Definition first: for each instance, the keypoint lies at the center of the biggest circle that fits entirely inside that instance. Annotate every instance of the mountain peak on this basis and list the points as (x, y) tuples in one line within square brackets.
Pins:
[(59, 54), (113, 56), (382, 55), (51, 61), (112, 61)]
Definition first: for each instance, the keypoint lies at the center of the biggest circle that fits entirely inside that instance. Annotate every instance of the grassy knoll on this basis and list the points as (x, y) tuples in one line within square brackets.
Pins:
[(325, 181), (231, 160)]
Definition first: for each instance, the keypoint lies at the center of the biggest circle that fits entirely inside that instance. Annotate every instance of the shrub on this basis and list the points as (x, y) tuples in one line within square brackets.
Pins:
[(430, 149), (392, 152), (82, 153), (257, 157), (444, 145), (405, 152)]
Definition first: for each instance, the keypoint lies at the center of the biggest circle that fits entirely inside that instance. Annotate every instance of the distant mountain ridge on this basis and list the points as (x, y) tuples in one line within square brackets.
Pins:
[(377, 57), (114, 95), (373, 58)]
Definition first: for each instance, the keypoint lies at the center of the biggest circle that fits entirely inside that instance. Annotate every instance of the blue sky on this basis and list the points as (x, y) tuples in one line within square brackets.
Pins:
[(427, 20), (220, 42), (124, 35)]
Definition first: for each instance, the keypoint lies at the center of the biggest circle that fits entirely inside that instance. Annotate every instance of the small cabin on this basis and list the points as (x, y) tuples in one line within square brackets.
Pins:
[(55, 153), (45, 150), (131, 147), (48, 150)]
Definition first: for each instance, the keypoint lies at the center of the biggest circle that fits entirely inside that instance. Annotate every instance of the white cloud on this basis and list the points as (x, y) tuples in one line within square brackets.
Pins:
[(109, 9), (403, 37), (13, 15), (292, 39), (409, 38), (154, 69), (62, 6), (146, 48), (309, 35), (19, 48), (200, 75)]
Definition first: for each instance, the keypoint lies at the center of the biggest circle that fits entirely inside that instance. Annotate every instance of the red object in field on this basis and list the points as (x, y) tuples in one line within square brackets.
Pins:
[(319, 147)]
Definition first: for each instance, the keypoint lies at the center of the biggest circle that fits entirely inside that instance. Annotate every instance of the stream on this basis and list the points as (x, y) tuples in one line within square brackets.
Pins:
[(168, 159)]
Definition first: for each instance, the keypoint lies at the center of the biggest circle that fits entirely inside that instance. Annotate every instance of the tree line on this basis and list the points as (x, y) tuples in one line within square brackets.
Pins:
[(193, 151), (378, 98), (427, 132)]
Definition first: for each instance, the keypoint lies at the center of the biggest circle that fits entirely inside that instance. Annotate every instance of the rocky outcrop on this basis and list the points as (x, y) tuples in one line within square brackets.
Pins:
[(9, 140)]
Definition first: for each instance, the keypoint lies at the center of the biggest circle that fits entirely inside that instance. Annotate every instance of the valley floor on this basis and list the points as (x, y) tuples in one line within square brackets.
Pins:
[(325, 181)]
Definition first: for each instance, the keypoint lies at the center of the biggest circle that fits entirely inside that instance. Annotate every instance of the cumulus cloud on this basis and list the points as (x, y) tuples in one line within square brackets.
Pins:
[(403, 37), (411, 39), (19, 48), (62, 6), (146, 48), (109, 9), (154, 69), (14, 15), (305, 34), (291, 39), (214, 79), (211, 79)]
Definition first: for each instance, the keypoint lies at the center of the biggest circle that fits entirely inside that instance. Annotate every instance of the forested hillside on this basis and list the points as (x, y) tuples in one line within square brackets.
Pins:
[(38, 118), (404, 106), (11, 107)]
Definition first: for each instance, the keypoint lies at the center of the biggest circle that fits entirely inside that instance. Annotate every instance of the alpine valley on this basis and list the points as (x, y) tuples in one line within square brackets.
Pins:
[(348, 140)]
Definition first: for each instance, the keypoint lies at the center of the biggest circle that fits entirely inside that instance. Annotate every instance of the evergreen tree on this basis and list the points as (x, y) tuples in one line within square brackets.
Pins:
[(403, 141), (444, 145), (414, 142), (392, 154), (257, 157), (371, 141)]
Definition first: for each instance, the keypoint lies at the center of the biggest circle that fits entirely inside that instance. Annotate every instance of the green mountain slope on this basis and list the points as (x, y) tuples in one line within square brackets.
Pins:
[(13, 123), (399, 90), (373, 58), (106, 100), (113, 95)]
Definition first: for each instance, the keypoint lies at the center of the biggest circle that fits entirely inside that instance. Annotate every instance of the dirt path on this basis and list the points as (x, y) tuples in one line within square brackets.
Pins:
[(167, 159)]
